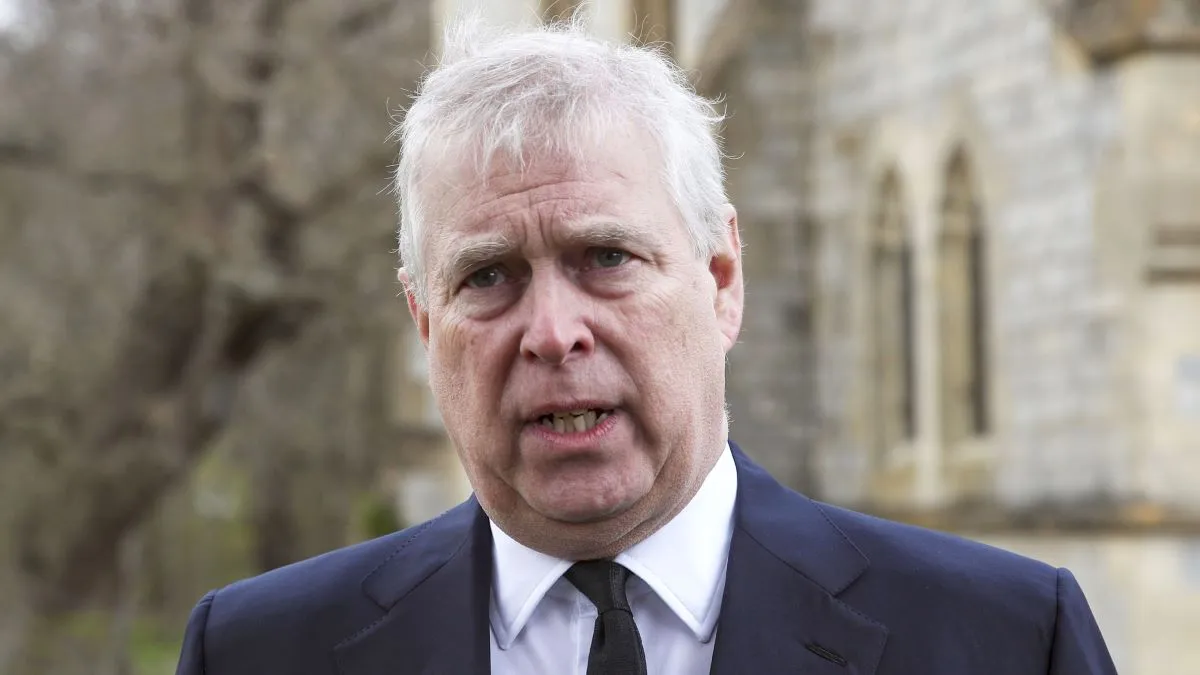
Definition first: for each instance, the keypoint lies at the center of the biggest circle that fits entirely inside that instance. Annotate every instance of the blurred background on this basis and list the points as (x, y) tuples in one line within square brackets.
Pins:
[(973, 261)]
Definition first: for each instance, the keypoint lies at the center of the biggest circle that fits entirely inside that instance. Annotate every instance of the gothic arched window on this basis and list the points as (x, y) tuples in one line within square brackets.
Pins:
[(962, 309), (892, 317)]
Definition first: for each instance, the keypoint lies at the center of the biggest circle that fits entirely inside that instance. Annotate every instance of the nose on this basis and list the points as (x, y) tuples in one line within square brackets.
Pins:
[(557, 331)]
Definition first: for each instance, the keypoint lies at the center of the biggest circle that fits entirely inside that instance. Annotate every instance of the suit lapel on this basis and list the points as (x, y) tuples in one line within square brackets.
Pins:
[(434, 592), (787, 565)]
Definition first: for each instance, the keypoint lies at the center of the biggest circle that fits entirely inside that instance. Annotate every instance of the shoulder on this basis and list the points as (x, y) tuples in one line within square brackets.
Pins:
[(321, 599), (945, 570), (305, 585), (940, 550), (984, 608)]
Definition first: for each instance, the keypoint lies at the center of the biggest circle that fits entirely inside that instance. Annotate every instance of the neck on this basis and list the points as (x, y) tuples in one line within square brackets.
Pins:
[(609, 538)]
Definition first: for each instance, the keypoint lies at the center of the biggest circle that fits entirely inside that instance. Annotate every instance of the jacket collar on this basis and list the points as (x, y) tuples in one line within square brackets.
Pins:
[(433, 590), (788, 563)]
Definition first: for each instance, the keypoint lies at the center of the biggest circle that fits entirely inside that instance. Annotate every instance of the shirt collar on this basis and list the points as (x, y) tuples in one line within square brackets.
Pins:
[(683, 563)]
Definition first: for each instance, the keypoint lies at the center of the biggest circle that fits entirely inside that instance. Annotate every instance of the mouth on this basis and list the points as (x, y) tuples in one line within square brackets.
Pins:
[(576, 421)]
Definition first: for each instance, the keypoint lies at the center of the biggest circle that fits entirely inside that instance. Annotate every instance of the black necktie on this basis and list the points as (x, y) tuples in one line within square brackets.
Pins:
[(616, 644)]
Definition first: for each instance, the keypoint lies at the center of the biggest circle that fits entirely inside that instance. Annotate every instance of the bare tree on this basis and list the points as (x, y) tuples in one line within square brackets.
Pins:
[(185, 186)]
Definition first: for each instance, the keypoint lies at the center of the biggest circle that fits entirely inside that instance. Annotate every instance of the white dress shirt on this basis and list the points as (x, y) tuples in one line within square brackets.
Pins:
[(543, 624)]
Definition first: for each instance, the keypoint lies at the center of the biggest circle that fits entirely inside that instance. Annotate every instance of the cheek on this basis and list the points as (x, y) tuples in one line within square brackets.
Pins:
[(671, 339), (448, 343), (683, 323), (463, 367)]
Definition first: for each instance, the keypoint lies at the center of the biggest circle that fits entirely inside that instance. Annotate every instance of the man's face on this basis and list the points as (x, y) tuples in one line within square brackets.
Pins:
[(576, 345)]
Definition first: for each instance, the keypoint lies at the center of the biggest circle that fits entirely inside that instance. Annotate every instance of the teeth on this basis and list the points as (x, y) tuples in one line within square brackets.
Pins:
[(574, 421)]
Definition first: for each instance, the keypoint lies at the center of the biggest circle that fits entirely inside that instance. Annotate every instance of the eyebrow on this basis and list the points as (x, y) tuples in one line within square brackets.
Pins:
[(476, 252), (606, 233)]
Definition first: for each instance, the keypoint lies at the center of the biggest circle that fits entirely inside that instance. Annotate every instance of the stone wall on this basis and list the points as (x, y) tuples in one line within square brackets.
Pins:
[(1091, 375), (1148, 236), (904, 86), (767, 87)]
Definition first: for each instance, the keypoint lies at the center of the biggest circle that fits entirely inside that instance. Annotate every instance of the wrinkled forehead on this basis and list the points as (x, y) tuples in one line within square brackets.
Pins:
[(463, 162), (460, 180)]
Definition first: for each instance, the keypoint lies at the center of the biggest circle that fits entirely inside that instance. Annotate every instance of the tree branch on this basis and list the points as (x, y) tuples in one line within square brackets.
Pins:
[(166, 397), (363, 19), (45, 158)]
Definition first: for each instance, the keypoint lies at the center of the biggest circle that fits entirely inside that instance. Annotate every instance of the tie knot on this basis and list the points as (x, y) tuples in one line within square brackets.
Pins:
[(603, 582)]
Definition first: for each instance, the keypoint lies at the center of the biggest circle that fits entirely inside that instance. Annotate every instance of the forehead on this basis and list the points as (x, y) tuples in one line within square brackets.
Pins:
[(617, 180)]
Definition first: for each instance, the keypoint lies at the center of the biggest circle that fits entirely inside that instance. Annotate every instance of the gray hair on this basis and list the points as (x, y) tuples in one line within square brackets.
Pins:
[(556, 89)]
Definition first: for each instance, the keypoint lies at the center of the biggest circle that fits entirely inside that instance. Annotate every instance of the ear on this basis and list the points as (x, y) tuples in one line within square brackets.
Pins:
[(726, 269), (419, 315)]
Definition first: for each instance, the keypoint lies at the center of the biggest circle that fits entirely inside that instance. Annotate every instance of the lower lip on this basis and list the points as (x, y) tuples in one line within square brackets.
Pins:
[(575, 439)]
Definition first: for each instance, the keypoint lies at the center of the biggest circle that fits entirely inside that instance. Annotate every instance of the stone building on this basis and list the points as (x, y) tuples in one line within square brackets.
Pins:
[(972, 246), (973, 262), (996, 202)]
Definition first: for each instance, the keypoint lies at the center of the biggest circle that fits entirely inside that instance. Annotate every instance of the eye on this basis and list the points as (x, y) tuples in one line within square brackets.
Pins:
[(610, 257), (485, 277)]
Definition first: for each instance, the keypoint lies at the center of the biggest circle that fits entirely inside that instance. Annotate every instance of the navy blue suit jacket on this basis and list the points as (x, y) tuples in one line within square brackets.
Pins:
[(810, 588)]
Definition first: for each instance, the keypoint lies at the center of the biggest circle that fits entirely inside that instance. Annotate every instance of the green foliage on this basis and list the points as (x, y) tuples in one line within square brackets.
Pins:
[(154, 653), (75, 642), (376, 516)]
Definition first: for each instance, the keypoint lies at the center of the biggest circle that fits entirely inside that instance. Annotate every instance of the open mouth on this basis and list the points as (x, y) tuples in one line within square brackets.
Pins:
[(574, 421)]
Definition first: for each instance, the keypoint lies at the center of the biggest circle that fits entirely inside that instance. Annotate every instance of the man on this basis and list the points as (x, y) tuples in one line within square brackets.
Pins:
[(574, 271)]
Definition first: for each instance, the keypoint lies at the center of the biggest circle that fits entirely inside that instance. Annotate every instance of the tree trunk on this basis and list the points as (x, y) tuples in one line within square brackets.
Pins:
[(126, 603), (16, 628), (276, 533)]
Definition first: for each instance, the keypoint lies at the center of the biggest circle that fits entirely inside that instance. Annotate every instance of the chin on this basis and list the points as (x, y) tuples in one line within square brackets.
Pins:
[(585, 493), (580, 512)]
